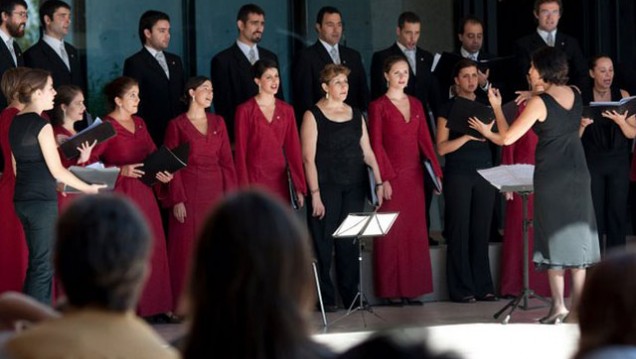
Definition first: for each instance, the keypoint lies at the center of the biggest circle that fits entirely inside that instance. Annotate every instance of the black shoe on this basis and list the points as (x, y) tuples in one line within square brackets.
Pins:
[(466, 299), (393, 303), (409, 301), (432, 242), (331, 308), (488, 298)]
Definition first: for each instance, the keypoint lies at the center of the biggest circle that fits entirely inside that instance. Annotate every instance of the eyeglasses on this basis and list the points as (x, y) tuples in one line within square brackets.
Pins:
[(22, 14)]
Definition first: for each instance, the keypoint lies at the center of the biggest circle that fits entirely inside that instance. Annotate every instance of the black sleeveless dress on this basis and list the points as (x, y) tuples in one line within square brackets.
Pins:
[(564, 221)]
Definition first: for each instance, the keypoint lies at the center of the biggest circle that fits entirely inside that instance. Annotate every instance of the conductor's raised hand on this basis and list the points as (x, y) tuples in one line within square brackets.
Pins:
[(494, 97), (132, 170), (522, 96), (164, 176), (484, 128)]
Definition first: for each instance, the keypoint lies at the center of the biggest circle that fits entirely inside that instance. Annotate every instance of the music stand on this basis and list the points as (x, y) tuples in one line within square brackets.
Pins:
[(518, 179), (360, 226)]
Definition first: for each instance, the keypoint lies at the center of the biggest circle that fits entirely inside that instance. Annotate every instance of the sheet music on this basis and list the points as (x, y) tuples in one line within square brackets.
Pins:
[(510, 178), (378, 224)]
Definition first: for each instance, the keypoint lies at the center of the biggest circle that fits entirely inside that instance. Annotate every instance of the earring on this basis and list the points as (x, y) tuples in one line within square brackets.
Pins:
[(327, 95)]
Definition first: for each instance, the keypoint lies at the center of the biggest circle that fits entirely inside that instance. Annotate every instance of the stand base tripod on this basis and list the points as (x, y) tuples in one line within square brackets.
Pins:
[(515, 303)]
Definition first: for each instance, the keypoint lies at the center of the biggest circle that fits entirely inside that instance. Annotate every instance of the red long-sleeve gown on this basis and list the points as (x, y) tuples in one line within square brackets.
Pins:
[(402, 259), (129, 148), (520, 152), (259, 146), (210, 173), (13, 249)]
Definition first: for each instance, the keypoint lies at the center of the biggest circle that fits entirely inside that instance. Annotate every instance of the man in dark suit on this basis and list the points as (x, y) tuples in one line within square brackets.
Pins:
[(159, 73), (52, 53), (422, 84), (327, 50), (548, 13), (13, 14), (231, 69)]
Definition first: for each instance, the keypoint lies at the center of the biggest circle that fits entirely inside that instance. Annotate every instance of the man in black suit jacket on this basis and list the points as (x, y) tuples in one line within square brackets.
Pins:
[(159, 73), (548, 13), (52, 53), (13, 14), (231, 69), (310, 61), (422, 84)]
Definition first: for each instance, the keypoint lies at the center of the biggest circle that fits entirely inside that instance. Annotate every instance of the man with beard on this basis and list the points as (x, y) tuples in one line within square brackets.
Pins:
[(52, 53), (13, 14), (159, 73), (231, 69)]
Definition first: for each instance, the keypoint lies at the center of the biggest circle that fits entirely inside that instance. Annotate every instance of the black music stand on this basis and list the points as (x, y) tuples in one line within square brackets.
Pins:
[(518, 179), (360, 226)]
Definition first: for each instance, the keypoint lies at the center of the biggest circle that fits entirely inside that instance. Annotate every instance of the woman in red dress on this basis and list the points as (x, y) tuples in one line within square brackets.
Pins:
[(400, 141), (127, 150), (68, 109), (266, 138), (196, 188), (13, 252)]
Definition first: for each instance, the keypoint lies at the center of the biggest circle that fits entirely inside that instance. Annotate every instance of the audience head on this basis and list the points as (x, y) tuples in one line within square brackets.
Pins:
[(198, 91), (334, 80), (55, 18), (36, 88), (251, 272), (13, 17), (465, 76), (408, 29), (11, 81), (548, 13), (471, 34), (123, 92), (329, 25), (101, 252), (266, 76), (250, 21), (154, 30), (396, 71), (69, 105), (394, 345), (607, 308), (602, 71), (550, 65)]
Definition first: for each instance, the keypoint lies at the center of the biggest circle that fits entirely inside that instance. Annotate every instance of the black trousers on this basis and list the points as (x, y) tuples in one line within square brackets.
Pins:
[(338, 201), (38, 221), (610, 189), (469, 203)]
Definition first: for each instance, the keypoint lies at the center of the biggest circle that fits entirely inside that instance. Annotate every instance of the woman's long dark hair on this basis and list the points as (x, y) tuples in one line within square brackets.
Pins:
[(251, 288)]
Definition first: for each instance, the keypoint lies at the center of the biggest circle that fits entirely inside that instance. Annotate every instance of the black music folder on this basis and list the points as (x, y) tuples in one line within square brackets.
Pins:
[(94, 175), (463, 109), (98, 130), (595, 109), (428, 167), (164, 159)]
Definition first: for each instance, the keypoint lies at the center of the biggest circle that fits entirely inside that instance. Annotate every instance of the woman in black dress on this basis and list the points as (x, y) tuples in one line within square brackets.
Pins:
[(469, 199), (564, 222), (38, 166), (336, 149), (607, 144)]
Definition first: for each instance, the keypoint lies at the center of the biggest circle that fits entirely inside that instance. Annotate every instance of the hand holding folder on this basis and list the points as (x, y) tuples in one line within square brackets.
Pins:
[(98, 131), (462, 110), (166, 160)]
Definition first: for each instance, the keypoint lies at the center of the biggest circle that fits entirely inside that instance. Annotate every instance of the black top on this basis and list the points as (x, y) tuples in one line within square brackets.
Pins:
[(603, 137), (473, 155), (339, 156), (33, 181)]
